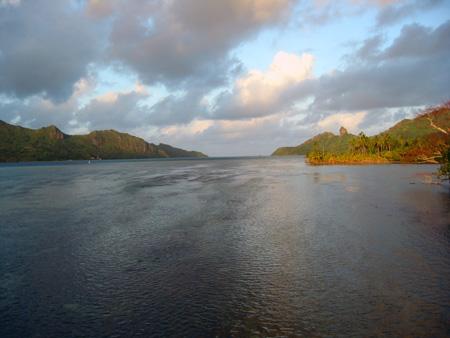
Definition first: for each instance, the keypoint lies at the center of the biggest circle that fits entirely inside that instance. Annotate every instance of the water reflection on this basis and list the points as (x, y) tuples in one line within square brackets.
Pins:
[(329, 177)]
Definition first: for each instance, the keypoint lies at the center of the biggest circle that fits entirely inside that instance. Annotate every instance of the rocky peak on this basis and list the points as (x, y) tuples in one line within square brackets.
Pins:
[(55, 133), (343, 131)]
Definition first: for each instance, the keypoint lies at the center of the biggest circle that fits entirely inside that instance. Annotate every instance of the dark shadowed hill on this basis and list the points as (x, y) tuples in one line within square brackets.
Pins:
[(49, 143)]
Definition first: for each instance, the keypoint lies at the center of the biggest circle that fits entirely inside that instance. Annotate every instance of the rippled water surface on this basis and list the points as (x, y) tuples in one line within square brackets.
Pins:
[(223, 247)]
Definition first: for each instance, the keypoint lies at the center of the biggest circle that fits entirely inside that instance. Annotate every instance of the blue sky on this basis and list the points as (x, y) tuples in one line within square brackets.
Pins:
[(228, 77)]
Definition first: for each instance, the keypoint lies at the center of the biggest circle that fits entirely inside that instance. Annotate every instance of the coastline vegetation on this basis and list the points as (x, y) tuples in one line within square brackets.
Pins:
[(381, 148), (444, 170), (424, 139)]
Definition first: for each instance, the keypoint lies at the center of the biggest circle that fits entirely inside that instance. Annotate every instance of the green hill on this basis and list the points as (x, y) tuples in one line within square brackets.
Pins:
[(49, 144), (177, 152), (420, 126), (326, 140), (421, 139)]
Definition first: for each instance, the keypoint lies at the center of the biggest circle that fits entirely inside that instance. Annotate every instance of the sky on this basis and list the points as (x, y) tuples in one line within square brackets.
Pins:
[(225, 77)]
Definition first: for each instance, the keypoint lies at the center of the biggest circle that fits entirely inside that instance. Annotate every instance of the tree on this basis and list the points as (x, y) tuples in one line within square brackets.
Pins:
[(354, 145), (385, 142), (363, 142), (377, 145), (444, 170)]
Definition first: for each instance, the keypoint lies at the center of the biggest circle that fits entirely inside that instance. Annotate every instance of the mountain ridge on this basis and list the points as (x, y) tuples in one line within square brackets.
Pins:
[(18, 144)]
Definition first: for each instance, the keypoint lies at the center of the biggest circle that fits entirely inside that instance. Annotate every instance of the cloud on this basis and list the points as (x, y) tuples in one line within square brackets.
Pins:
[(369, 50), (37, 111), (114, 110), (381, 3), (255, 93), (263, 88), (9, 3), (193, 128), (101, 8), (350, 121), (80, 112), (45, 48), (416, 41), (408, 72), (231, 138), (176, 42), (397, 11), (321, 12), (260, 93), (387, 12), (176, 109)]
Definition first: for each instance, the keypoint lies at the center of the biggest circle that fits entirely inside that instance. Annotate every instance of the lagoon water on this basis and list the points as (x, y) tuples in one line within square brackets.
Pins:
[(223, 247)]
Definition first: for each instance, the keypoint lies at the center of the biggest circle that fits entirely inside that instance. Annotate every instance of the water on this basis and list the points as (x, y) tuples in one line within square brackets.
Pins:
[(227, 247)]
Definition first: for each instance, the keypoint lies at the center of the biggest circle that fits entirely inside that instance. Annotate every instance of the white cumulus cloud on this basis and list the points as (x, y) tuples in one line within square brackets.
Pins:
[(287, 69), (351, 121)]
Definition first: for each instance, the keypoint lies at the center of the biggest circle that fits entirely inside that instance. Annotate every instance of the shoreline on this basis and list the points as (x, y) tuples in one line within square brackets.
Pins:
[(368, 162), (360, 159)]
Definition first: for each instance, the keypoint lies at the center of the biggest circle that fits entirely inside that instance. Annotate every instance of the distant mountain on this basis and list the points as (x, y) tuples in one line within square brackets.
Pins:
[(177, 152), (410, 140), (49, 143)]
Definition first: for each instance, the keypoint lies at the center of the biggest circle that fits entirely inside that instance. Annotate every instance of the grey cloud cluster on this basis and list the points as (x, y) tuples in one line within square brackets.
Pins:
[(179, 42), (411, 71), (111, 111), (174, 109), (416, 41), (36, 112), (118, 111), (400, 10), (45, 48)]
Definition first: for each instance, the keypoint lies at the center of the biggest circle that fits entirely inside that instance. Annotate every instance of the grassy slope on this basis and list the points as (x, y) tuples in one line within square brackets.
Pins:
[(177, 152), (329, 141), (420, 127), (49, 143)]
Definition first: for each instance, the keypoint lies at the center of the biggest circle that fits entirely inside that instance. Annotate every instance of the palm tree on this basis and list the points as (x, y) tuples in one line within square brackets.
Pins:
[(385, 142), (363, 142), (377, 143), (354, 145)]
